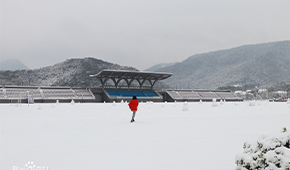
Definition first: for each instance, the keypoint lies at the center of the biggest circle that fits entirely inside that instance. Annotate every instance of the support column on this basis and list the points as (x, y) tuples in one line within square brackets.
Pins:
[(153, 83), (130, 82), (141, 82), (103, 81)]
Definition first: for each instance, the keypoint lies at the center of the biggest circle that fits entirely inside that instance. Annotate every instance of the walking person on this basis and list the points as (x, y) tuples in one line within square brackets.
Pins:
[(133, 106)]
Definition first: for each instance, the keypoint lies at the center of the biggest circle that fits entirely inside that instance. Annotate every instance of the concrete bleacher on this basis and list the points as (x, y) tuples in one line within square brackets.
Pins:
[(189, 95), (208, 95), (45, 94), (175, 95), (10, 94), (16, 93), (2, 96), (196, 95), (83, 93), (226, 95), (58, 93)]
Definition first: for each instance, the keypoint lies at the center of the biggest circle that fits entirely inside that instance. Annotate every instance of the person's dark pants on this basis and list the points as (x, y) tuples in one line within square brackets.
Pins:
[(133, 116)]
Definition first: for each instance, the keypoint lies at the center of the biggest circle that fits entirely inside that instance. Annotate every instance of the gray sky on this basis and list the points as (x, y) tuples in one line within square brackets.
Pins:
[(138, 33)]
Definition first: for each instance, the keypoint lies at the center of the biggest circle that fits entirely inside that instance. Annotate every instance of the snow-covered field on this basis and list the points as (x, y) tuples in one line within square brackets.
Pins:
[(100, 136)]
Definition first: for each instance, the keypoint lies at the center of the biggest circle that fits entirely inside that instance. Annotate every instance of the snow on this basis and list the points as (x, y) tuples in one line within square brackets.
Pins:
[(252, 103), (185, 106), (269, 152), (214, 103), (262, 90), (281, 92), (100, 136)]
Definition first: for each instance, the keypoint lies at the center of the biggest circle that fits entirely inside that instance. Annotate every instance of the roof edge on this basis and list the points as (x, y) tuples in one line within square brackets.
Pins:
[(131, 71)]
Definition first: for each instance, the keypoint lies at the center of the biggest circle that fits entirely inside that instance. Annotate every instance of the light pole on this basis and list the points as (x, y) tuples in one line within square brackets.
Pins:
[(28, 97)]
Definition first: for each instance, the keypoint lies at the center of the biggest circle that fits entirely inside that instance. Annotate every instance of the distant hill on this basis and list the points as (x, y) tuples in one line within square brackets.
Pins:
[(72, 72), (159, 66), (12, 64), (260, 64)]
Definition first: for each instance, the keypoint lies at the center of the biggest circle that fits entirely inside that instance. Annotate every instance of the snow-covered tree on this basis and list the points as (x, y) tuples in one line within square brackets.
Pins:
[(268, 153)]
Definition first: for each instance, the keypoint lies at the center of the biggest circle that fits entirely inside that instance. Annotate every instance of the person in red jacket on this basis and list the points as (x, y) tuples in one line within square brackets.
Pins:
[(133, 106)]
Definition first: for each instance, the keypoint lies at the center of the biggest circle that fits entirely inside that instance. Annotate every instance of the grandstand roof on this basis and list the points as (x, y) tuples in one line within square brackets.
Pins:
[(129, 74)]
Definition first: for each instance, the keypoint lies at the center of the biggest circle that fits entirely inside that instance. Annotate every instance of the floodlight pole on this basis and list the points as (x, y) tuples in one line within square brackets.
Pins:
[(28, 98)]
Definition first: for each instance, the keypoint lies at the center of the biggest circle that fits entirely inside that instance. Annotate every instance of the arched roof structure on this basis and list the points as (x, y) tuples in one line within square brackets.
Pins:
[(129, 76)]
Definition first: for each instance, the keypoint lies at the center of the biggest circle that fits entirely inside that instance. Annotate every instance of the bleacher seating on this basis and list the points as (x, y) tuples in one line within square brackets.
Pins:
[(113, 93), (150, 93), (58, 93), (44, 94), (83, 93), (175, 95), (15, 93), (189, 95), (131, 93), (2, 96), (12, 93), (226, 95), (208, 95), (122, 94)]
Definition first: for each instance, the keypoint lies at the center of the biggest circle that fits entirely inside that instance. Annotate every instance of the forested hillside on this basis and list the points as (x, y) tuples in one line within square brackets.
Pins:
[(261, 64)]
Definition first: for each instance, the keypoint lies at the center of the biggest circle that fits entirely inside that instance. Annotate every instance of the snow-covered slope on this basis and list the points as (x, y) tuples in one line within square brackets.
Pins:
[(259, 64), (72, 72), (159, 66), (100, 136)]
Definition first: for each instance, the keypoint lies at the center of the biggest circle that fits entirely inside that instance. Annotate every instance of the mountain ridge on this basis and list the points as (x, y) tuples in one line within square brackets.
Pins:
[(159, 66), (71, 72), (12, 64), (261, 64)]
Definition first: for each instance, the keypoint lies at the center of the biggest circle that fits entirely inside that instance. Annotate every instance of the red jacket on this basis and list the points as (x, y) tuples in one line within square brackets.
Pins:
[(133, 104)]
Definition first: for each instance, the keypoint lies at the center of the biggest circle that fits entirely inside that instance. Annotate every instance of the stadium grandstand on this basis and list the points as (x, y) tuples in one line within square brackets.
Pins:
[(116, 91), (116, 85), (13, 94)]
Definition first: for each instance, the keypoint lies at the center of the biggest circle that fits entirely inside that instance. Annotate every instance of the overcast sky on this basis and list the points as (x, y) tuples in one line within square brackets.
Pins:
[(138, 33)]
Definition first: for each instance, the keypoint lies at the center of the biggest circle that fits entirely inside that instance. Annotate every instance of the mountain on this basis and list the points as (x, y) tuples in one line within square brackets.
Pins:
[(260, 64), (159, 66), (72, 72), (12, 64)]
